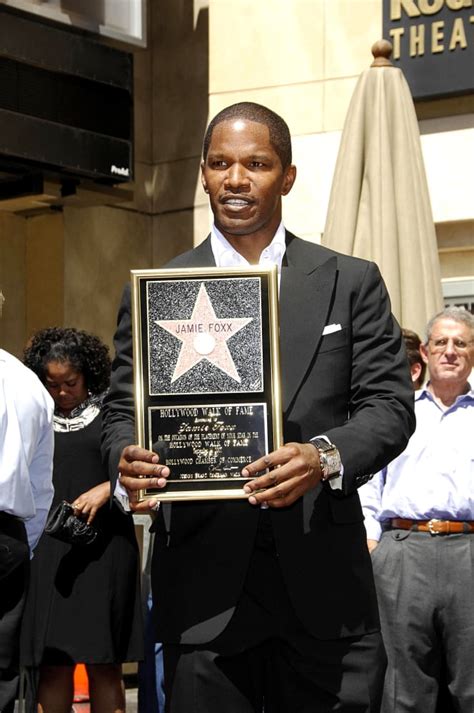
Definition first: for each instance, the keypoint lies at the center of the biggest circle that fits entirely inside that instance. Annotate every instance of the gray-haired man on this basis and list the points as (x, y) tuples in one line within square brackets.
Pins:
[(420, 527)]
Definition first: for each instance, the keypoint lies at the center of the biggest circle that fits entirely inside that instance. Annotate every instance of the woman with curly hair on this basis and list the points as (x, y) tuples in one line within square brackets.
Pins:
[(83, 603)]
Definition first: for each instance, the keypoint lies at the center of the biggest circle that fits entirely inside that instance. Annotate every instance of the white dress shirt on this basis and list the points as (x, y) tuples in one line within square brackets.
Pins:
[(434, 476), (26, 446), (226, 256)]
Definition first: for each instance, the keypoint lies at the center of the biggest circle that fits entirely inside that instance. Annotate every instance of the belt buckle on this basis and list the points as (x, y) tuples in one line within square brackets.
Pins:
[(431, 524)]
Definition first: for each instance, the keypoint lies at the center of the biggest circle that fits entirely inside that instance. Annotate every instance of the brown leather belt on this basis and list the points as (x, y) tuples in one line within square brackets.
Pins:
[(434, 526)]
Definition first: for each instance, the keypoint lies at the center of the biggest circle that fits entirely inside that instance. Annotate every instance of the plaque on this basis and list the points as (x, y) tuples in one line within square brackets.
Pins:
[(206, 375)]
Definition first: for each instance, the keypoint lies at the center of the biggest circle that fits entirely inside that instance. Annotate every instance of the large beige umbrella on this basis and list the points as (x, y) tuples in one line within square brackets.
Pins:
[(379, 207)]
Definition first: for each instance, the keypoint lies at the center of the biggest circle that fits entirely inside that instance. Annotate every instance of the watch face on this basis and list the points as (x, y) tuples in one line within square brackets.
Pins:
[(333, 462), (329, 458)]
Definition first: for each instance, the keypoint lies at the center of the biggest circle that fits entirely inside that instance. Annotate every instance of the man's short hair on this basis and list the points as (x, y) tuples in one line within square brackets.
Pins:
[(280, 137), (457, 314), (412, 346)]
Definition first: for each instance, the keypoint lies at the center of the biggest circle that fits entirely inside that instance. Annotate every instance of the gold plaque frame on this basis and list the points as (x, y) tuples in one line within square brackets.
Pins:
[(206, 375)]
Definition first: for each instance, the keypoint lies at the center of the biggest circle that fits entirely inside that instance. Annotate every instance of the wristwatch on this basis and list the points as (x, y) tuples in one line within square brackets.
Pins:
[(329, 458)]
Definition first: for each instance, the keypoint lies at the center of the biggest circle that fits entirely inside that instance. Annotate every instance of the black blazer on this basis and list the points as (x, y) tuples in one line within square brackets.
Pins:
[(352, 385)]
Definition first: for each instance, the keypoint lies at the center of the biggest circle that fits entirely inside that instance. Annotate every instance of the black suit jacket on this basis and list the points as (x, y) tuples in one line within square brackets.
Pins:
[(352, 385)]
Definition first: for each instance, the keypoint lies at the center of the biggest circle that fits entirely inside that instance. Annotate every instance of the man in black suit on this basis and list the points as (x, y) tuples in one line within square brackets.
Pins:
[(270, 601)]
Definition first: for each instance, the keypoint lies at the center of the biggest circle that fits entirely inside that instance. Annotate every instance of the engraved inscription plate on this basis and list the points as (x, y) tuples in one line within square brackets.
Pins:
[(208, 443)]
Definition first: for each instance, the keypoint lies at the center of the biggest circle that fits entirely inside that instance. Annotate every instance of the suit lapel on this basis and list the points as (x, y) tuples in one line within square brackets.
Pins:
[(202, 255), (307, 285)]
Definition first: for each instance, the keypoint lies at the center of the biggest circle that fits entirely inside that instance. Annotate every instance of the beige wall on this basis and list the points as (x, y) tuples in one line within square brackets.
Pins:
[(13, 282), (301, 59), (456, 248), (31, 276), (44, 272), (100, 246)]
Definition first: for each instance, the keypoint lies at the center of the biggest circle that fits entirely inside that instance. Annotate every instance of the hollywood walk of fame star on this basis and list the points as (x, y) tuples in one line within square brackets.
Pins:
[(204, 336)]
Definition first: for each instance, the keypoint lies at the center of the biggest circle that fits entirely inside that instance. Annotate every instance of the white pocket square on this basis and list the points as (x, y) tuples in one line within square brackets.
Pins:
[(330, 328)]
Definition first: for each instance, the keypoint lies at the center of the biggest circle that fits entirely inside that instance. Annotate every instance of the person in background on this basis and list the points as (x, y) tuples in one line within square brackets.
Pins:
[(419, 518), (83, 602), (415, 360), (274, 607), (151, 696), (418, 372), (26, 492)]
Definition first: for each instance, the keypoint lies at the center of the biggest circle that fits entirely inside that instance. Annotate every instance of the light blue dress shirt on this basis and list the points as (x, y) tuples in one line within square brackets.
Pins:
[(434, 476)]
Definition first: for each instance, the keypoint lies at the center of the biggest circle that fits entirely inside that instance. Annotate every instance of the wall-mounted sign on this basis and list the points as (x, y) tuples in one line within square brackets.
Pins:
[(433, 44), (124, 21), (459, 292)]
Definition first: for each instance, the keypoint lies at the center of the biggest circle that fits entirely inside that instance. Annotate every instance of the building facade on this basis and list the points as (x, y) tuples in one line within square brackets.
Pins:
[(302, 58)]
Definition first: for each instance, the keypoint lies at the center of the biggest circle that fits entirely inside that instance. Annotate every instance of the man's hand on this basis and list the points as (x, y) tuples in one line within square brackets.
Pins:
[(293, 469), (140, 469), (372, 544)]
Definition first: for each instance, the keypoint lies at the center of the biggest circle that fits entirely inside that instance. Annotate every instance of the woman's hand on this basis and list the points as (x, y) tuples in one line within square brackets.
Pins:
[(87, 504)]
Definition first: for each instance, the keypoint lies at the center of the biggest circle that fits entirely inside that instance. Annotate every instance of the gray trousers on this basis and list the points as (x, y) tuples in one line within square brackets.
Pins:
[(425, 586)]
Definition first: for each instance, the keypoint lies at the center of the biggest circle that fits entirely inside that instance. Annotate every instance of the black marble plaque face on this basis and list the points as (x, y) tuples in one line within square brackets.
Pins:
[(208, 443), (205, 336), (207, 382)]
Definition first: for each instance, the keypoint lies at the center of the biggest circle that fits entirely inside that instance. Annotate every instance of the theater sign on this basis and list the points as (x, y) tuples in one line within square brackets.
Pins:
[(433, 44)]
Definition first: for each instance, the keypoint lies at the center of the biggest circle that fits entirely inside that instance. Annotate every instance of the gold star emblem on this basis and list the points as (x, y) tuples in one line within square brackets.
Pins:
[(204, 336)]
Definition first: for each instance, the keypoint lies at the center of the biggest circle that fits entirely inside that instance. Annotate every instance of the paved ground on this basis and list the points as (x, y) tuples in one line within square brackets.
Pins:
[(131, 696)]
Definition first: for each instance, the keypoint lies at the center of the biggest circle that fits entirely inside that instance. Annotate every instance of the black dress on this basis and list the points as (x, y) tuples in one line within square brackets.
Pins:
[(83, 603)]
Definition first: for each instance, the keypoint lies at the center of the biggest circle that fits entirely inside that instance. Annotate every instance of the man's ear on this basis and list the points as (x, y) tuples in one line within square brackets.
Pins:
[(203, 180), (288, 180), (424, 352), (415, 370)]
